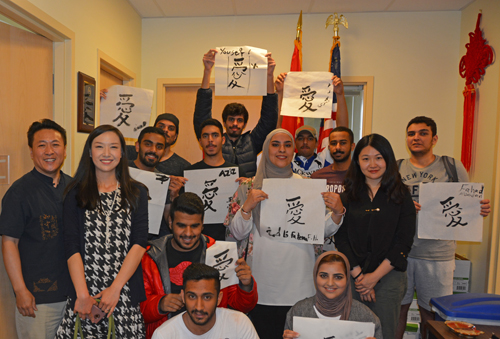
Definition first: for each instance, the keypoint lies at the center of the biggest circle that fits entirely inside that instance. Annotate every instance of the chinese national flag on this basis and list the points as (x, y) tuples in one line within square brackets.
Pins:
[(292, 123)]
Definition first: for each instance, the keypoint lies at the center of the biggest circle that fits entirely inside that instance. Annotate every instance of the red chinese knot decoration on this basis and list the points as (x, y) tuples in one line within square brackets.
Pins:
[(472, 65)]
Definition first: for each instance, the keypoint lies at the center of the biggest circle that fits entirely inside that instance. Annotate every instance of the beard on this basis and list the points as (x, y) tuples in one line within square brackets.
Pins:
[(148, 163), (342, 159)]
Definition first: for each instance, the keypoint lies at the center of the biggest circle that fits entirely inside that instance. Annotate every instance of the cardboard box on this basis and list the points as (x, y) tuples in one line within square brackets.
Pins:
[(413, 313), (462, 274), (412, 331)]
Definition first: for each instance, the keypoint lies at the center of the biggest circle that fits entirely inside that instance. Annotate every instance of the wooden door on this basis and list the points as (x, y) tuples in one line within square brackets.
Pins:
[(25, 96)]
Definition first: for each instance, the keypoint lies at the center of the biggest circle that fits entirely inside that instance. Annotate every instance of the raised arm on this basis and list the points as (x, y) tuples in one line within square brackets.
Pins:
[(269, 110), (342, 113), (203, 105), (279, 85)]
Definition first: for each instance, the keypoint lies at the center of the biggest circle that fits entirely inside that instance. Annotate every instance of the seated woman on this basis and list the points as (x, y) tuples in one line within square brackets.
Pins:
[(333, 299)]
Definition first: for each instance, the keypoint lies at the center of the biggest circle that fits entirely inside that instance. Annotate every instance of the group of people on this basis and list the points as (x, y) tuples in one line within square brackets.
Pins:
[(78, 249)]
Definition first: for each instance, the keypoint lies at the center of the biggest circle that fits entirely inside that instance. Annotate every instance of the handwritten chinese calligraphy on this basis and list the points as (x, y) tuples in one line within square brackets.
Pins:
[(223, 256), (308, 95), (157, 184), (127, 108), (214, 187), (209, 194), (450, 211), (240, 70), (294, 211), (453, 211)]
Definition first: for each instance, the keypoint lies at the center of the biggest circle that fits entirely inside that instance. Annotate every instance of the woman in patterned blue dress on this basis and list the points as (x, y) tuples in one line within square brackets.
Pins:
[(105, 234)]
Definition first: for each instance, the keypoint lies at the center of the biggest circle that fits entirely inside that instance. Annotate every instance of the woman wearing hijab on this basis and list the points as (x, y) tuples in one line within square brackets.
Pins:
[(281, 269), (333, 298)]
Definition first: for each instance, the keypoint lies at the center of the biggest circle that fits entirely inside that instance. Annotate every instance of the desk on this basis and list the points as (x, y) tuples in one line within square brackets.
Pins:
[(438, 329)]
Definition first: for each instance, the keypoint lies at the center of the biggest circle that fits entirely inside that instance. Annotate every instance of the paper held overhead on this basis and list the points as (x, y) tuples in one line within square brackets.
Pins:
[(308, 95), (240, 71)]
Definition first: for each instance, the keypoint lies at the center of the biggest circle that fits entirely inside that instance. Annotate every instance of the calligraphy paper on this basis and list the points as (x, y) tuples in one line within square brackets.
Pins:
[(313, 328), (294, 211), (157, 184), (127, 108), (308, 95), (450, 211), (215, 186), (240, 70), (223, 256)]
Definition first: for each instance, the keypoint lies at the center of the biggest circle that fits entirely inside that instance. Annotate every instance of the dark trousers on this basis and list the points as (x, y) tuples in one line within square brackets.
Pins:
[(389, 293), (269, 321)]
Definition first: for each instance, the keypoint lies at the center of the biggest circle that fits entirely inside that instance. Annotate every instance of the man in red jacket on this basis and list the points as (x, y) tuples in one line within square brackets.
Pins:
[(167, 258)]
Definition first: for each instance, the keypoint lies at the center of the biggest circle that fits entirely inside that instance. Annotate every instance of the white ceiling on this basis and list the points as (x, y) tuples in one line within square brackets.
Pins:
[(197, 8)]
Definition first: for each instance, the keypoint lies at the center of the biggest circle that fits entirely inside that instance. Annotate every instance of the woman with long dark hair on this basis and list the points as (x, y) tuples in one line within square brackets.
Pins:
[(333, 298), (105, 234), (378, 228)]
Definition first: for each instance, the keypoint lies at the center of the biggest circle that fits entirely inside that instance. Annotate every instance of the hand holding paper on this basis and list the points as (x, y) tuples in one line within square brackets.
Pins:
[(244, 273), (253, 198)]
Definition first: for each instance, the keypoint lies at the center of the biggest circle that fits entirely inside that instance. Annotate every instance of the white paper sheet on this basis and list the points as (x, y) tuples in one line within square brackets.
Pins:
[(294, 212), (450, 211), (157, 184), (308, 95), (223, 256), (127, 108), (215, 187), (312, 328), (240, 70)]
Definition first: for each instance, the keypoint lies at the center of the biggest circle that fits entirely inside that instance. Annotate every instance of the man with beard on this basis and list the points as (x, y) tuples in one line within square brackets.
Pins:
[(238, 147), (167, 258), (211, 141), (149, 147), (201, 294), (341, 144), (430, 262)]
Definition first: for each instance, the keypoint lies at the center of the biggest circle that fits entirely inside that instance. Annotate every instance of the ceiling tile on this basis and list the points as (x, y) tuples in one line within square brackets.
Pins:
[(183, 8), (147, 8)]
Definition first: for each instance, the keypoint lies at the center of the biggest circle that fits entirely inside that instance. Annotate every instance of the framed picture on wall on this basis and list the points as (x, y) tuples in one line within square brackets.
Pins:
[(86, 103)]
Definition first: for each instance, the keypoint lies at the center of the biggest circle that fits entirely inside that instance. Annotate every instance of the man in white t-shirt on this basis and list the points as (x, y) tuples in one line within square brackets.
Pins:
[(203, 319)]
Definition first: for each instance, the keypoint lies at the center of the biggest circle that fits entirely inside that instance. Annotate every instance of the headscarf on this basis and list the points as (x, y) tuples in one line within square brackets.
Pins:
[(340, 305), (267, 169)]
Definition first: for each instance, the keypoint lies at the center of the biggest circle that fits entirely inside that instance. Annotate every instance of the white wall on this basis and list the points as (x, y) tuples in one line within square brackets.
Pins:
[(412, 56), (487, 126)]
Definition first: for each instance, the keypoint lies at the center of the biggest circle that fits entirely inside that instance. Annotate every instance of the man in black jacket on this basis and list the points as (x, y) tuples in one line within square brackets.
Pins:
[(239, 148)]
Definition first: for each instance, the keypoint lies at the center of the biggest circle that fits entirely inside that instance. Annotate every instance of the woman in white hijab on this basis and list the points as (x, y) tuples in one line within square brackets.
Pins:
[(282, 270)]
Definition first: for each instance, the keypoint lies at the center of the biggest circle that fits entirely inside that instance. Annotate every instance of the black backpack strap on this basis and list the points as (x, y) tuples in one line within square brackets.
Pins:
[(450, 167), (399, 161)]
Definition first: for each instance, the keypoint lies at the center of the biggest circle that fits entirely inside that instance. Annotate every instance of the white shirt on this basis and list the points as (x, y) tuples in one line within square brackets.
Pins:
[(229, 324)]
